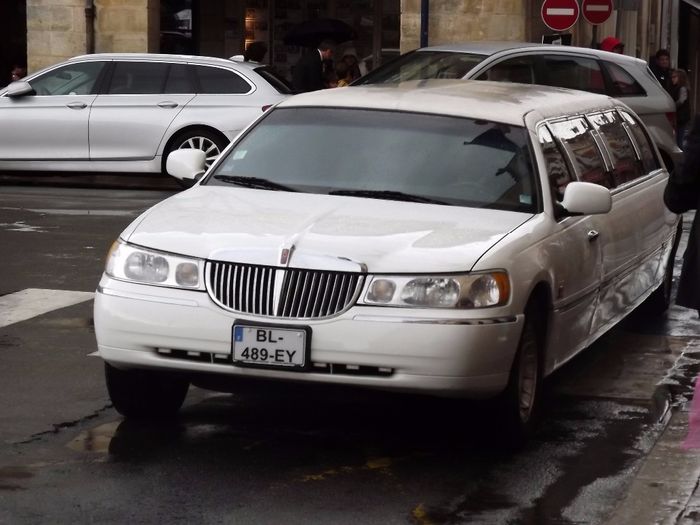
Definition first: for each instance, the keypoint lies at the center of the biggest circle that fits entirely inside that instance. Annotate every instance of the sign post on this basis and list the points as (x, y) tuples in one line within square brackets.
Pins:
[(560, 15), (597, 11)]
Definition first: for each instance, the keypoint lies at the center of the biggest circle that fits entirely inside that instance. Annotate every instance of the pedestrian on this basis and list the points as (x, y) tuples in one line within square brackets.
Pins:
[(343, 74), (17, 72), (255, 52), (612, 45), (660, 65), (308, 73), (680, 92), (353, 63), (681, 195)]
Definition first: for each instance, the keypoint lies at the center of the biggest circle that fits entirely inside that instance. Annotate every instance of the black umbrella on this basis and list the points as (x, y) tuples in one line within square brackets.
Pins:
[(312, 32)]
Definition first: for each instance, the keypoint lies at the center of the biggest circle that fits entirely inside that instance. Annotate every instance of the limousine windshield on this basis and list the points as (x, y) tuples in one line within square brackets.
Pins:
[(387, 155)]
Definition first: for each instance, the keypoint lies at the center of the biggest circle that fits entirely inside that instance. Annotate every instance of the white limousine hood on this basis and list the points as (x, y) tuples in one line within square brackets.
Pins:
[(255, 226)]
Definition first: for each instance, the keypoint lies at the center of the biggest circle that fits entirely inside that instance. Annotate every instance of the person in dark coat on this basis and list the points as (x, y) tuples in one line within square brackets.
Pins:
[(660, 65), (683, 194), (308, 73)]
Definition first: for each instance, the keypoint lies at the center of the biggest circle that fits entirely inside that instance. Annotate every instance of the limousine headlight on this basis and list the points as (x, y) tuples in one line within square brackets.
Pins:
[(141, 265), (477, 290)]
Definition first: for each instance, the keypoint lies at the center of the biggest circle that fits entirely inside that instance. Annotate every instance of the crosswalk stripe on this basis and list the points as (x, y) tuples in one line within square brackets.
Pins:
[(20, 306)]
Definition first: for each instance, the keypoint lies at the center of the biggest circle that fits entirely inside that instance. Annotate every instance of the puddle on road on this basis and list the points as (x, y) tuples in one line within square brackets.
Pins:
[(95, 439)]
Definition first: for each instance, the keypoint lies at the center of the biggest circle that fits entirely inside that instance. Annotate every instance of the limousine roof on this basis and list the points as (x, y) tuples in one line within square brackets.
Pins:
[(495, 101)]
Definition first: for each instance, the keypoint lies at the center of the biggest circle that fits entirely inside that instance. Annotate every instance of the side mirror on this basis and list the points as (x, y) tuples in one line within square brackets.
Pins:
[(187, 164), (585, 198), (19, 88)]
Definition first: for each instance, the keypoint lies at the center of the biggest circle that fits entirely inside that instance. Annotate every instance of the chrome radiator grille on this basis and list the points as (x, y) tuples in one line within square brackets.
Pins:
[(289, 293)]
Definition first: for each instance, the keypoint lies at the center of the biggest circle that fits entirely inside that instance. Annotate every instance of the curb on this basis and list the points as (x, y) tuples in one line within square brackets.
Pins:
[(665, 489)]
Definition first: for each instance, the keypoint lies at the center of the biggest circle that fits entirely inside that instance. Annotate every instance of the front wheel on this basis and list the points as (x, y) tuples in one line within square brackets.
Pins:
[(520, 401), (144, 393)]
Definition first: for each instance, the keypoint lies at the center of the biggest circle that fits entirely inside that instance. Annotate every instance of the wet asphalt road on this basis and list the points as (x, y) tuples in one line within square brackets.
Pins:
[(283, 454)]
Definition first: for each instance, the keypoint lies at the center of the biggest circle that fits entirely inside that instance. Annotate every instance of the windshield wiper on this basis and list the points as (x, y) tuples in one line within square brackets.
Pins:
[(253, 182), (387, 194)]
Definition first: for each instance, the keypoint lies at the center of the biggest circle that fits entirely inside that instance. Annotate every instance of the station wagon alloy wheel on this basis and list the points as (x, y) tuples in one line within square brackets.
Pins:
[(206, 144)]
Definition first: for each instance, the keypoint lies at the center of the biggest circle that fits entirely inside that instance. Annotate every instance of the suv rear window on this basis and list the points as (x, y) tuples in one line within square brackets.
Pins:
[(622, 83)]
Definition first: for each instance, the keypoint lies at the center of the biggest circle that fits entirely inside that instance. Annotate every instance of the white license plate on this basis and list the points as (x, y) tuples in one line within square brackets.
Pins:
[(269, 347)]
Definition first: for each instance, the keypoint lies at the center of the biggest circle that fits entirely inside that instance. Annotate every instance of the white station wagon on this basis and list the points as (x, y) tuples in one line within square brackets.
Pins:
[(459, 239)]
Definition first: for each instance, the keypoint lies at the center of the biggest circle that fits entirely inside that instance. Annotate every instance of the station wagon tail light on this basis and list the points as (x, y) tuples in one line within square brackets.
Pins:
[(141, 265), (476, 290)]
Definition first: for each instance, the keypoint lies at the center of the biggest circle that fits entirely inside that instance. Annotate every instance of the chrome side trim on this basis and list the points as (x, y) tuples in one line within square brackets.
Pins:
[(143, 297), (429, 320)]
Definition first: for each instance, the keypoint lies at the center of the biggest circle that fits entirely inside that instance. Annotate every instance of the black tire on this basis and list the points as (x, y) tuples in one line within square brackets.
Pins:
[(142, 394), (209, 141), (519, 404), (660, 299)]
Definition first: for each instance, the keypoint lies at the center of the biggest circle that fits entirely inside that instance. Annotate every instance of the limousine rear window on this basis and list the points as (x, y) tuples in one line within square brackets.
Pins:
[(458, 161)]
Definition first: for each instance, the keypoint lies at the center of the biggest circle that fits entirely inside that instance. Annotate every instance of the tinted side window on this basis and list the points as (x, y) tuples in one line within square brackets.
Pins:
[(214, 80), (73, 79), (641, 139), (575, 135), (573, 73), (557, 171), (517, 69), (623, 84), (138, 78), (178, 80), (626, 166)]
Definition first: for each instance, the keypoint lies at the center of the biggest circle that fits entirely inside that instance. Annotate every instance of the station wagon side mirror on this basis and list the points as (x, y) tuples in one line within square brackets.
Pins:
[(187, 164), (19, 88), (586, 198)]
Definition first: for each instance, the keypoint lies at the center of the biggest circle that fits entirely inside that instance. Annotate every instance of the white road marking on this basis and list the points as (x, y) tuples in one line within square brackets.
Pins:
[(563, 11), (600, 8), (20, 306)]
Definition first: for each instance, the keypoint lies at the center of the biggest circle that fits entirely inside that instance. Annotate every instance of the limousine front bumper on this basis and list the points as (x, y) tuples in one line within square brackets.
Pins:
[(443, 353)]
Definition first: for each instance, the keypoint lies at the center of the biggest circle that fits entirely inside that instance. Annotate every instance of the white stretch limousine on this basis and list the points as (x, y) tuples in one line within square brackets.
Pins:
[(454, 238)]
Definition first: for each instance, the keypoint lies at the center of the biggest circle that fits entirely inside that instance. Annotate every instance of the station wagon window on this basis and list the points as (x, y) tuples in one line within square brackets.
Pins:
[(573, 73), (73, 79), (557, 171), (626, 166), (178, 80), (215, 80), (405, 156), (517, 69), (646, 150), (575, 135), (623, 84), (138, 78)]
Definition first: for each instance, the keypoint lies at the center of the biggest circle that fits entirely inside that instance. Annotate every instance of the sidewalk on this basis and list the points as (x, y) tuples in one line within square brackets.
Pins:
[(666, 490)]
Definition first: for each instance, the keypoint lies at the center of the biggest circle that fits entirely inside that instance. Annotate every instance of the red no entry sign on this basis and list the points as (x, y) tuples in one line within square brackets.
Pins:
[(560, 15), (597, 11)]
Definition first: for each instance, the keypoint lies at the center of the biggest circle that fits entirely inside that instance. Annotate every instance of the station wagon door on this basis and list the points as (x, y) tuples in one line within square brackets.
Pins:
[(129, 120), (53, 123)]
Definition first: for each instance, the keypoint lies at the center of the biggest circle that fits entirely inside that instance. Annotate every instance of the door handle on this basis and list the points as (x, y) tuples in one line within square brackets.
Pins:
[(77, 105), (592, 235), (169, 105)]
